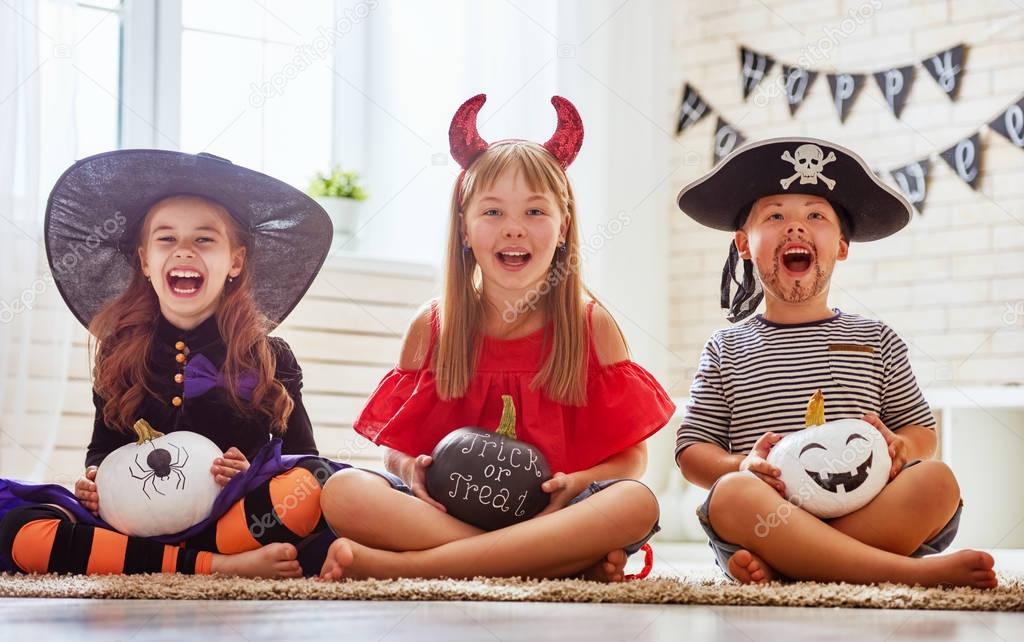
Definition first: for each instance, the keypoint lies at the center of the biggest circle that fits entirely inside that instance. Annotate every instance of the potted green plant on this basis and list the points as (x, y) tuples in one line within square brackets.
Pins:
[(340, 192)]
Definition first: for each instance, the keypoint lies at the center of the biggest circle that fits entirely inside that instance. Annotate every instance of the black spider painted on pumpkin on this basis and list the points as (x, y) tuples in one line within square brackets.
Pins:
[(160, 467)]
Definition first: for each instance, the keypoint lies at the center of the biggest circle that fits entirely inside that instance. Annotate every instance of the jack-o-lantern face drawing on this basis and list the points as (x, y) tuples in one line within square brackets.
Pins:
[(832, 468)]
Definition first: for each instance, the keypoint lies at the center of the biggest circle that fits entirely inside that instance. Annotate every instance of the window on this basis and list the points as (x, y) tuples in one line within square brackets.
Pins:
[(255, 87)]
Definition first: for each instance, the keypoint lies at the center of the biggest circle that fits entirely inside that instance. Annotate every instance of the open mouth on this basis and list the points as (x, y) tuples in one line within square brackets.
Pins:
[(797, 260), (184, 282), (850, 481), (513, 259)]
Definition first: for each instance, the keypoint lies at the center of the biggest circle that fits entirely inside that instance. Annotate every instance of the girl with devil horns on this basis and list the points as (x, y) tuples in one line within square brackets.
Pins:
[(514, 320)]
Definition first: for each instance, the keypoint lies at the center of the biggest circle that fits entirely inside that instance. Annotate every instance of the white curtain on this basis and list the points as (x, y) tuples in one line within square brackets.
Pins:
[(36, 143)]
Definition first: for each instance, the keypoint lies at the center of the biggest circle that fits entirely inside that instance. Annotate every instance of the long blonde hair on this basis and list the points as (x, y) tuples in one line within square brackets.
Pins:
[(124, 330), (563, 376)]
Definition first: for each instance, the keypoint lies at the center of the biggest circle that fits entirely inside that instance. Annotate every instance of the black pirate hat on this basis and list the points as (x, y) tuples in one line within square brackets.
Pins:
[(868, 208), (97, 206)]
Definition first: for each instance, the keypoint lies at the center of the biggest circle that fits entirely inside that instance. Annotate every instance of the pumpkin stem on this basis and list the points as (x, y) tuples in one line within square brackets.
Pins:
[(815, 410), (145, 432), (507, 427)]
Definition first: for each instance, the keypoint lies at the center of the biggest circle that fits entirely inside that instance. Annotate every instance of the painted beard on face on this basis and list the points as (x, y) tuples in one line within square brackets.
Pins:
[(795, 274)]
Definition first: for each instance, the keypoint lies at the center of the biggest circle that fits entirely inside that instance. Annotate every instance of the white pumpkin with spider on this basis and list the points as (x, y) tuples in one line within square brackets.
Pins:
[(159, 485), (834, 468)]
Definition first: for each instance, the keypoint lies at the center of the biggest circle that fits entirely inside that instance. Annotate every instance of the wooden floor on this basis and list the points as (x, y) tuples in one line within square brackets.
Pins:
[(150, 621)]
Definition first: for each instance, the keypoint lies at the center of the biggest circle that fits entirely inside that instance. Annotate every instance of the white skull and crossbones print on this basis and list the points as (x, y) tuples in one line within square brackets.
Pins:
[(808, 163)]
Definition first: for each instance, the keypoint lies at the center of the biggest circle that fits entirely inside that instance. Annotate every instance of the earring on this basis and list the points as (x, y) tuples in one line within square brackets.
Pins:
[(562, 248), (466, 249), (231, 279)]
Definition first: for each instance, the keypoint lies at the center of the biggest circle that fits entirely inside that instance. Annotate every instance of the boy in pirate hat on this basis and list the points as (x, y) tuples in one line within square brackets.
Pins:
[(794, 206)]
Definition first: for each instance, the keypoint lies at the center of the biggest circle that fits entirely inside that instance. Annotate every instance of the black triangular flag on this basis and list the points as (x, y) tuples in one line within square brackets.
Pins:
[(797, 82), (754, 67), (895, 85), (727, 138), (1010, 123), (965, 159), (845, 88), (912, 180), (691, 110), (945, 68)]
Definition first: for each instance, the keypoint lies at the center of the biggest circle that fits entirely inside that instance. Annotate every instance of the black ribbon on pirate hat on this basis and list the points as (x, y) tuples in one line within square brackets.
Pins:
[(749, 292)]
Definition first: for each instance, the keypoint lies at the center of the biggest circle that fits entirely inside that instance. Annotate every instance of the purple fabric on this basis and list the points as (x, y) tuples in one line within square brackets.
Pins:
[(267, 463), (201, 375)]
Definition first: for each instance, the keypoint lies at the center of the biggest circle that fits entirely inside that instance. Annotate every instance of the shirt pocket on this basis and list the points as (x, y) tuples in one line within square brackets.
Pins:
[(857, 368)]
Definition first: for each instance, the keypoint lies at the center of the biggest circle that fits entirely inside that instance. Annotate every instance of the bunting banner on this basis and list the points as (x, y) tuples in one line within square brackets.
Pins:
[(964, 157), (1010, 123), (912, 180), (945, 67), (895, 85), (754, 67), (691, 109), (797, 82), (727, 138), (845, 88)]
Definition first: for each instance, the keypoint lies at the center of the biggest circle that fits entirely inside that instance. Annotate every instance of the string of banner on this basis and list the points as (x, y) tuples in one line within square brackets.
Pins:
[(944, 67)]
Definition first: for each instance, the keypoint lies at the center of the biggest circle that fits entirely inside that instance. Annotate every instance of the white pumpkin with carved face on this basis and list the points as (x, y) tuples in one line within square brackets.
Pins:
[(833, 469)]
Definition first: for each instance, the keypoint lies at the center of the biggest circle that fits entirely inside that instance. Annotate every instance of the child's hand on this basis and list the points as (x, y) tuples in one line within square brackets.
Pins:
[(562, 489), (85, 491), (414, 472), (898, 449), (757, 462), (232, 463)]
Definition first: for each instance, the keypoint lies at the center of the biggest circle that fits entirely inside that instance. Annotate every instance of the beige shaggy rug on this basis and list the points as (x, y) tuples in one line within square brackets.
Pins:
[(691, 589)]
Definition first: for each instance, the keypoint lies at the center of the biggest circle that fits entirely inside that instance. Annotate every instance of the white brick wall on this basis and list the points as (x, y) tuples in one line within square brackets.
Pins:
[(952, 282)]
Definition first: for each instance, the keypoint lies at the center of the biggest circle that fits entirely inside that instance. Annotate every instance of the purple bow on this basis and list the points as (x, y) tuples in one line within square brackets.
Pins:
[(201, 376)]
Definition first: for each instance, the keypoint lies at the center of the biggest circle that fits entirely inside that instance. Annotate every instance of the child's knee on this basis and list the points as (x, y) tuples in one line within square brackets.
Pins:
[(935, 479), (643, 508), (735, 494), (344, 495)]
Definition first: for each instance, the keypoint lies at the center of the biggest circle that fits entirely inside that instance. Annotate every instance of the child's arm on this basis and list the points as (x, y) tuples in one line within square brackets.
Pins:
[(706, 462), (628, 464), (413, 471), (298, 438)]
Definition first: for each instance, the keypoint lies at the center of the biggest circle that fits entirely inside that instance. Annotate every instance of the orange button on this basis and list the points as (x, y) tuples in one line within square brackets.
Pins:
[(176, 401), (178, 378), (180, 358), (179, 345)]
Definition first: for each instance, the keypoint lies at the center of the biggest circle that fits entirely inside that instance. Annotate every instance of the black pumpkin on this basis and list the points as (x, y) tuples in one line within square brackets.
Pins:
[(489, 479)]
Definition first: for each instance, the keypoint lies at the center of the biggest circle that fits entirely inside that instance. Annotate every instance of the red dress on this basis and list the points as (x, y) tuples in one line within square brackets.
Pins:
[(625, 404)]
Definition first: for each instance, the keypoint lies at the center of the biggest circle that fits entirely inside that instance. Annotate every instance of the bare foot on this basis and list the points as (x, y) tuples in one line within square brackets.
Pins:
[(748, 568), (963, 568), (349, 559), (272, 560), (611, 569)]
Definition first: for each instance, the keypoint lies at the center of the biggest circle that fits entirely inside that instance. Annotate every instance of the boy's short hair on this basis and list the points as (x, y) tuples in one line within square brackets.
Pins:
[(845, 222)]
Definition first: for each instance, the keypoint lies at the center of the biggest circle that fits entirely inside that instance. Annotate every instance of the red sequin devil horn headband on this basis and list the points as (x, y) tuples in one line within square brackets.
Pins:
[(467, 144)]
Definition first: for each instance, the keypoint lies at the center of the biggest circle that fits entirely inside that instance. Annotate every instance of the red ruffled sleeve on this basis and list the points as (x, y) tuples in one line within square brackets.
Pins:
[(625, 406)]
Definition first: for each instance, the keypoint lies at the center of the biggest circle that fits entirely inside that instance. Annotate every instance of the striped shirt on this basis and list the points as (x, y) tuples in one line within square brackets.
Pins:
[(758, 376)]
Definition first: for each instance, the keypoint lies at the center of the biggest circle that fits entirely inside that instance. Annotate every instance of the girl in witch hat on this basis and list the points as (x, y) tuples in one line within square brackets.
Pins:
[(514, 319), (179, 265), (793, 206)]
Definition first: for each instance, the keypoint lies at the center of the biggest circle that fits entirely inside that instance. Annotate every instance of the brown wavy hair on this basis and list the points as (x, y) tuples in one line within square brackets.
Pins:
[(124, 331), (563, 375)]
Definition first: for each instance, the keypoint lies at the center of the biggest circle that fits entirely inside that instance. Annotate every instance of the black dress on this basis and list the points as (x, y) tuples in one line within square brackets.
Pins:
[(209, 413)]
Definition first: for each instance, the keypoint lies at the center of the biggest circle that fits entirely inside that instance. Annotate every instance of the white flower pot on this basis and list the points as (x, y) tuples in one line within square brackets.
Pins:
[(344, 213)]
